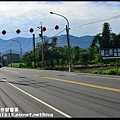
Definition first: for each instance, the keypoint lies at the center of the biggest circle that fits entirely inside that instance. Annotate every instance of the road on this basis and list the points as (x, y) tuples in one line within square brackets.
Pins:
[(58, 94)]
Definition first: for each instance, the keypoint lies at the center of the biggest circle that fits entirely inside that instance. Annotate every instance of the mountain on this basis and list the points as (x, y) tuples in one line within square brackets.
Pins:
[(83, 41), (27, 43)]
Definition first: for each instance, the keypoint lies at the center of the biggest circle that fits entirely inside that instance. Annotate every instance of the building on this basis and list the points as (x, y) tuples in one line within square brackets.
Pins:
[(10, 58)]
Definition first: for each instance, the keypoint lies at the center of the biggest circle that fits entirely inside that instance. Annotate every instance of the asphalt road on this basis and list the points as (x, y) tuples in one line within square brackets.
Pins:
[(57, 94)]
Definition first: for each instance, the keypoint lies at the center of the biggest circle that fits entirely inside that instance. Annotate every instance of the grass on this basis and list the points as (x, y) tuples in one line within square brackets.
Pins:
[(16, 65), (105, 70), (110, 70)]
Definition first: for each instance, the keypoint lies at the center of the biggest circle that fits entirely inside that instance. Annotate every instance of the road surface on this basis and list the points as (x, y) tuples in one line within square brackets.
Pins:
[(57, 94)]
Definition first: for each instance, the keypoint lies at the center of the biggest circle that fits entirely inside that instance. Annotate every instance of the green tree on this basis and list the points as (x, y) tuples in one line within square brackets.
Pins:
[(27, 59), (105, 41), (102, 40), (115, 40), (53, 51), (84, 57), (75, 53)]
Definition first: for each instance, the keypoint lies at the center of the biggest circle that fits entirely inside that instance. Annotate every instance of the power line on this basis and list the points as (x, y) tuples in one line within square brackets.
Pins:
[(59, 33), (56, 34), (110, 18), (114, 17)]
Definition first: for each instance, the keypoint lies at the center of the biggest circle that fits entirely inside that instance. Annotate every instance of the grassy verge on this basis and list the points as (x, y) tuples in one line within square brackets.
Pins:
[(109, 70), (105, 70)]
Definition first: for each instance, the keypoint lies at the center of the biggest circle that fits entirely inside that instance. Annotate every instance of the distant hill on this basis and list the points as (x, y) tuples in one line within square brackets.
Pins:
[(27, 43), (82, 42)]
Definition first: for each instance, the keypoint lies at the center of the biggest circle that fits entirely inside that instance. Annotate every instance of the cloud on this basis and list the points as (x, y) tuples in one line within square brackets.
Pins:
[(27, 14)]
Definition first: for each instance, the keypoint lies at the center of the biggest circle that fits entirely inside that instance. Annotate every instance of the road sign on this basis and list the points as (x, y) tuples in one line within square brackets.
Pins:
[(110, 53)]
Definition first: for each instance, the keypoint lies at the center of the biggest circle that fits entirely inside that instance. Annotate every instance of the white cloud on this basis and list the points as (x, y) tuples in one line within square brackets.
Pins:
[(23, 15)]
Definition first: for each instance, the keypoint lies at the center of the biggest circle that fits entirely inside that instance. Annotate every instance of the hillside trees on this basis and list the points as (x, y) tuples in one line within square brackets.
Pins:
[(27, 58), (115, 40), (102, 40), (57, 56), (106, 36), (75, 55), (105, 39)]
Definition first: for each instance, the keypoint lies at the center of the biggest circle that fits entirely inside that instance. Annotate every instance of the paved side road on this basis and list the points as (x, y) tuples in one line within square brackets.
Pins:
[(55, 94)]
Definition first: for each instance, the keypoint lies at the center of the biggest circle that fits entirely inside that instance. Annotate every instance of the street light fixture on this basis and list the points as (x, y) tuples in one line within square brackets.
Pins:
[(68, 39), (20, 51)]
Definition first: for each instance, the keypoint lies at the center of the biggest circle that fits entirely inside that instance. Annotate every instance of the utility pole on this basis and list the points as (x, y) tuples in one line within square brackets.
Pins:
[(41, 36), (34, 50), (11, 57)]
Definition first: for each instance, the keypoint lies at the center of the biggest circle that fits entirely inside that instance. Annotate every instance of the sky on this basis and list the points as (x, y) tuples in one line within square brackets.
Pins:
[(84, 17)]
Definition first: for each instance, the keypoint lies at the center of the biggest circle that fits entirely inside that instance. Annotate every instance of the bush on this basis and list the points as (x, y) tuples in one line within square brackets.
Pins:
[(111, 72)]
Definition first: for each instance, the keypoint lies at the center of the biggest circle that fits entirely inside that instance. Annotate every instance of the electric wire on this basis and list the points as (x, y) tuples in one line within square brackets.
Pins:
[(114, 17), (110, 18)]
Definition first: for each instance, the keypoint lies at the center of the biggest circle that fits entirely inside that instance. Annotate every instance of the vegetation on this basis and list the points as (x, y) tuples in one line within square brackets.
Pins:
[(57, 57)]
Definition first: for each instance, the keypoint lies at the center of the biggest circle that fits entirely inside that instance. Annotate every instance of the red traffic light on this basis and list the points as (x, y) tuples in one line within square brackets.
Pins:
[(56, 27), (31, 30), (4, 32), (44, 28), (18, 31)]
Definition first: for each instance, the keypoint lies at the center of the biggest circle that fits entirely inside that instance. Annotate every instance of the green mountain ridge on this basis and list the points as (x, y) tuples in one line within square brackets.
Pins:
[(27, 43)]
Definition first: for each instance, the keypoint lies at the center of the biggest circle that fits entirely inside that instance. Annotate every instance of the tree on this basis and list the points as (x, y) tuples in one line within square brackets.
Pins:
[(102, 40), (84, 58), (75, 51), (115, 40), (27, 59), (53, 42), (96, 41), (105, 41)]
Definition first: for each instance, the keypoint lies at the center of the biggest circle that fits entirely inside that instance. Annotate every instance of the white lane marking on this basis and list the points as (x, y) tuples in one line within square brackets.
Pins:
[(55, 109)]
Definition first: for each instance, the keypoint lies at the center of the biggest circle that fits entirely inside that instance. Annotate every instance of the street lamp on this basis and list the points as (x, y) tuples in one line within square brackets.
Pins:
[(68, 39), (20, 51)]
